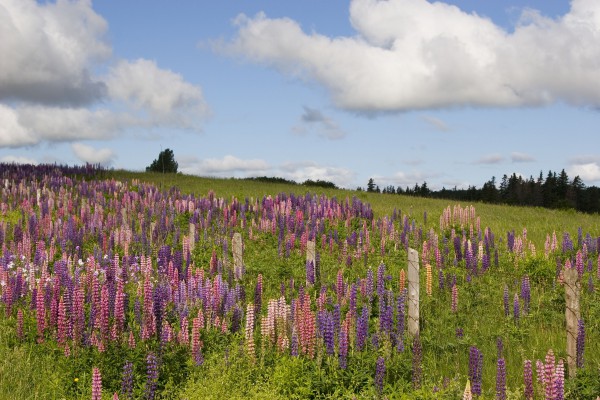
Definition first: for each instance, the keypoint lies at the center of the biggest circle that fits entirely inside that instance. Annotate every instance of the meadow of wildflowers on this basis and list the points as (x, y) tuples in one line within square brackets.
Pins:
[(117, 288)]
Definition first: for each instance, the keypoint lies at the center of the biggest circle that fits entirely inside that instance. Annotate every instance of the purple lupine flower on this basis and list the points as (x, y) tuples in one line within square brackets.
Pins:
[(528, 380), (151, 375), (375, 340), (343, 345), (369, 285), (441, 279), (590, 284), (459, 333), (510, 240), (380, 281), (127, 381), (525, 293), (505, 300), (501, 379), (516, 309), (379, 375), (485, 262), (475, 369), (327, 331), (400, 311), (362, 329), (559, 380), (417, 368), (310, 273), (580, 343)]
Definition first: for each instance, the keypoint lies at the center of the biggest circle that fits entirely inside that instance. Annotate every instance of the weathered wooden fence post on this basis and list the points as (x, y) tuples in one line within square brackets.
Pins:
[(238, 261), (413, 292), (192, 237), (311, 256), (572, 289)]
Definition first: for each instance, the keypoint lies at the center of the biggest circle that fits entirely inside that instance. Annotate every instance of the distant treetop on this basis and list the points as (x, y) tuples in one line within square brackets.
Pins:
[(164, 163)]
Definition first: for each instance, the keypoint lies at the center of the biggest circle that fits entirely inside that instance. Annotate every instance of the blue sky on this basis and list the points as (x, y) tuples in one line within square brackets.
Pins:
[(403, 91)]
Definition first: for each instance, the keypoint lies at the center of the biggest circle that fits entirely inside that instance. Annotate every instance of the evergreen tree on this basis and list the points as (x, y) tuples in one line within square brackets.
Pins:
[(164, 163), (371, 185)]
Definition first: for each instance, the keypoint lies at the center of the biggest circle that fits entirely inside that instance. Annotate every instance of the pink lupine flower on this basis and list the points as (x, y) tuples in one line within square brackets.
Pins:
[(96, 384), (61, 331)]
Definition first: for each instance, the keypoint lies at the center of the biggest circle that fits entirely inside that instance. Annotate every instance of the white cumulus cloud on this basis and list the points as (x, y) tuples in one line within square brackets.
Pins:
[(588, 172), (89, 154), (49, 92), (47, 50), (416, 54), (224, 167)]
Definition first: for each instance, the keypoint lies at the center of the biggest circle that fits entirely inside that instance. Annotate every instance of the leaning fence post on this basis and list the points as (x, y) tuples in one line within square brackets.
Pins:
[(238, 261), (311, 257), (192, 237), (413, 292), (572, 314)]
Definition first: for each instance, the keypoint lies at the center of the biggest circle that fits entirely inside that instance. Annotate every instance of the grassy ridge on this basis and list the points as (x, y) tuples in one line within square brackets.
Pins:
[(500, 218)]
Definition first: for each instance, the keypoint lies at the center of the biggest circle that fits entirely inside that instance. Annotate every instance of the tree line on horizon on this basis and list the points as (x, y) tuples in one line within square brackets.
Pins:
[(555, 191)]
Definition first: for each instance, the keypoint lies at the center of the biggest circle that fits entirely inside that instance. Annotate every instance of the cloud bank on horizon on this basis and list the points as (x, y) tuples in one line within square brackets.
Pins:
[(413, 54)]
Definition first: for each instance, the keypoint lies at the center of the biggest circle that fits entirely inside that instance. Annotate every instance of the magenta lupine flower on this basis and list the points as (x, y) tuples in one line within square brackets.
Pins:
[(549, 375), (454, 305), (379, 375), (528, 380), (249, 332), (580, 343), (540, 370), (120, 307), (61, 330), (40, 308), (96, 384), (78, 314), (579, 263), (501, 379), (148, 328), (104, 313), (339, 287)]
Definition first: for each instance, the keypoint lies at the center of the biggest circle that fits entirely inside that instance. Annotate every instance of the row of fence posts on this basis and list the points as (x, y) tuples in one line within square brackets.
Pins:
[(571, 282)]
